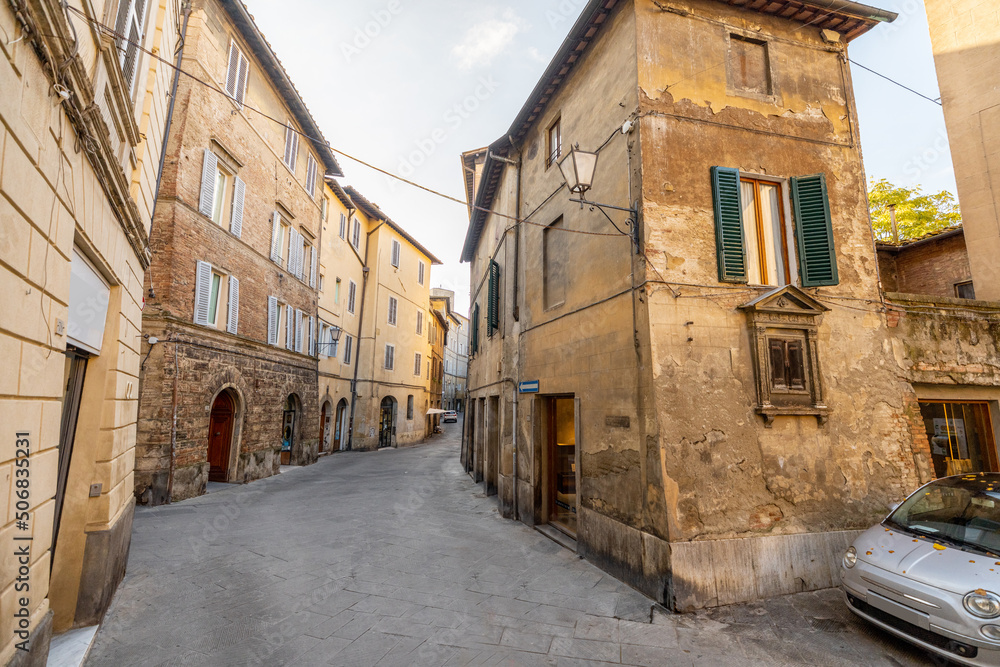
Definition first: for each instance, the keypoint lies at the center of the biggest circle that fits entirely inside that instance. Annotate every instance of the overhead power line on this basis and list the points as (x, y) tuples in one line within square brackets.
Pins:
[(937, 101)]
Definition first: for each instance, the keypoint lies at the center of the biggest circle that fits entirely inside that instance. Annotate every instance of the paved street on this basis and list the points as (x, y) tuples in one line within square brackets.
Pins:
[(396, 558)]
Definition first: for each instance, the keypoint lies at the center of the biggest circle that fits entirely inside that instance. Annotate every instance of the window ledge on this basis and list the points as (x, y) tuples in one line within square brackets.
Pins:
[(769, 412)]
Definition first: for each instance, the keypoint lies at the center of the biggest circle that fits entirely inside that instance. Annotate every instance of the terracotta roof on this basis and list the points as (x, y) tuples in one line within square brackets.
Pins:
[(340, 193), (372, 210), (244, 22), (849, 18), (944, 233)]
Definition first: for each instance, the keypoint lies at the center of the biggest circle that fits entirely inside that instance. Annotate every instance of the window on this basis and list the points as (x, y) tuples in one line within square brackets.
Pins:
[(409, 405), (395, 253), (748, 70), (352, 291), (274, 310), (965, 290), (961, 437), (348, 348), (332, 343), (324, 209), (356, 236), (764, 232), (278, 233), (751, 232), (393, 307), (237, 74), (322, 282), (474, 343), (212, 289), (217, 199), (291, 146), (553, 143), (493, 305), (390, 357), (417, 364), (310, 252), (420, 323), (343, 226), (420, 273), (554, 265), (788, 372), (311, 177), (131, 16)]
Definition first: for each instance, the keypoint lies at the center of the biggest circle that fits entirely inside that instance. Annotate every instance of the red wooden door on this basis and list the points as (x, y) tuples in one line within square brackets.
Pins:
[(220, 438)]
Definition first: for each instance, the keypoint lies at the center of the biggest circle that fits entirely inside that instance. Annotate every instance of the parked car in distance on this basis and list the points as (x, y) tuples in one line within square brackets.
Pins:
[(449, 416), (930, 572)]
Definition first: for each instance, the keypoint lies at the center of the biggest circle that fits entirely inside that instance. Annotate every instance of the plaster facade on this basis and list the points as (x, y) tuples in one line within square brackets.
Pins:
[(965, 37), (80, 156), (456, 355), (684, 478)]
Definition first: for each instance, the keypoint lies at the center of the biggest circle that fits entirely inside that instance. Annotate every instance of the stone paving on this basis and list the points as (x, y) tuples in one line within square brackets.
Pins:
[(396, 558)]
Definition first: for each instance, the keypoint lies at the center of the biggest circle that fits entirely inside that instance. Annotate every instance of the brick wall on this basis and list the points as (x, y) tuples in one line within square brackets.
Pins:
[(931, 267)]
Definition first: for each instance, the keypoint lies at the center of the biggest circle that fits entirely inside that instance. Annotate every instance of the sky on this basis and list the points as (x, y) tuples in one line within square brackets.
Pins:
[(408, 86)]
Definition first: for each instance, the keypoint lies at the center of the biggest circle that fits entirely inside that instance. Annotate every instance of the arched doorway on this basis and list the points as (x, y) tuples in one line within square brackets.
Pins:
[(289, 428), (220, 436), (340, 426), (324, 427), (387, 422)]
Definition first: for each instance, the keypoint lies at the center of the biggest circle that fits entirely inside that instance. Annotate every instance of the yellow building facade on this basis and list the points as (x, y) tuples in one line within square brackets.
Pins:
[(81, 148)]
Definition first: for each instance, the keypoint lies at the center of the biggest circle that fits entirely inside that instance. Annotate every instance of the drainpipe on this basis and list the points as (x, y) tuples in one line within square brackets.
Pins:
[(186, 10)]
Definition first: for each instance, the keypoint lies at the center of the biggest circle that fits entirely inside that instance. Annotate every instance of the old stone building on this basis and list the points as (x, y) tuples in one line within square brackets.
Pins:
[(229, 371), (342, 276), (697, 382), (965, 37), (82, 113), (393, 354), (437, 336), (456, 354)]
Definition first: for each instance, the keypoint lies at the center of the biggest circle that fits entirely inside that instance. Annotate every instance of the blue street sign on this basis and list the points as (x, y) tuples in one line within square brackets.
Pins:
[(528, 387)]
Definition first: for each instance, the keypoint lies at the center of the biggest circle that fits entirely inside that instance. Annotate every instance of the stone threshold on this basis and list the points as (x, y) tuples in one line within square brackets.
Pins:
[(557, 536), (70, 649)]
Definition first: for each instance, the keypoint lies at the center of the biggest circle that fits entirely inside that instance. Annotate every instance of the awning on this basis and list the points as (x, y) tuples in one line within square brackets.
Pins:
[(435, 411)]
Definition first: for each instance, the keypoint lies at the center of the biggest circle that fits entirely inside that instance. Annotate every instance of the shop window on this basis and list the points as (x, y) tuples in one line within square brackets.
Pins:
[(961, 437)]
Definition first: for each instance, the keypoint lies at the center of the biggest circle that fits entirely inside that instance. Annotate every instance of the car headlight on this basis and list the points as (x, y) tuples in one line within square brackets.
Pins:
[(851, 557), (982, 604)]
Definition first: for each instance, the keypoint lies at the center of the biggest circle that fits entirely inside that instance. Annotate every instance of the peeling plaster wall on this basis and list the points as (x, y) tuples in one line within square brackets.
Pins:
[(721, 474)]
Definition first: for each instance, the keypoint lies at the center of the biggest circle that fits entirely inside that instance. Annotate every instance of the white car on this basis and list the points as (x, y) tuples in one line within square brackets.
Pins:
[(930, 572), (449, 416)]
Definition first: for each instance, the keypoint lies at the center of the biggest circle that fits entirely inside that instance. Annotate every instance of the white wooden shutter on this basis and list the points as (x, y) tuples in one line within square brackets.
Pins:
[(206, 203), (289, 328), (420, 273), (312, 336), (352, 292), (239, 195), (311, 176), (202, 292), (420, 322), (298, 330), (294, 248), (241, 80), (232, 72), (130, 28), (276, 238), (395, 254), (272, 320), (312, 267), (234, 305)]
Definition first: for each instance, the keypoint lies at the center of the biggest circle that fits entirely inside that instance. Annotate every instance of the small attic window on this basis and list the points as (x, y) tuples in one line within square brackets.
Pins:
[(749, 68)]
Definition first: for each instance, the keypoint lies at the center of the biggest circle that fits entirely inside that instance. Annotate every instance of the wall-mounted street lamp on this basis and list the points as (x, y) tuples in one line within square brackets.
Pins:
[(335, 333), (578, 168)]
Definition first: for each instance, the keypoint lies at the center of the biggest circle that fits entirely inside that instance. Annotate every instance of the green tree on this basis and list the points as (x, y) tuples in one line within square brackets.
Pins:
[(917, 213)]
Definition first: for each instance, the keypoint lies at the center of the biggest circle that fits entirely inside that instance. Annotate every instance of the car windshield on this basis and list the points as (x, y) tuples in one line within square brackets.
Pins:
[(961, 510)]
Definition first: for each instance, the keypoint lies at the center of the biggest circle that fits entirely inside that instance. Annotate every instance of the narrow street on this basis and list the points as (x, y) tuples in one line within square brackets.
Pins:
[(396, 558)]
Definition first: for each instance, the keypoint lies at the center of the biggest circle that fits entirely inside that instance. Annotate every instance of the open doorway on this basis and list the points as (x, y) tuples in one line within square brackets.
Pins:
[(561, 464), (220, 436), (325, 425), (289, 428), (340, 427), (387, 422)]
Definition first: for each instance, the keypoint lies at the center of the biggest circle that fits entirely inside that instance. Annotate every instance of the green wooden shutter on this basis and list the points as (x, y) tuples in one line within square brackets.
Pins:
[(475, 329), (814, 231), (493, 305), (730, 248)]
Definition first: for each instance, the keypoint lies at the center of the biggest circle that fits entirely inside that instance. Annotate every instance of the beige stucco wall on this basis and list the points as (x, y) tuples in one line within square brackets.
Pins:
[(52, 199), (965, 36)]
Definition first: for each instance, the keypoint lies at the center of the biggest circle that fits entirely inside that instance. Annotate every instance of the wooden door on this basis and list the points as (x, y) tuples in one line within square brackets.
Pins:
[(338, 427), (220, 438)]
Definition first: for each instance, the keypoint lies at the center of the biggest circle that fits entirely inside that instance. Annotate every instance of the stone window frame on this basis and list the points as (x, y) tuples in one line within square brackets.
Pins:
[(787, 313)]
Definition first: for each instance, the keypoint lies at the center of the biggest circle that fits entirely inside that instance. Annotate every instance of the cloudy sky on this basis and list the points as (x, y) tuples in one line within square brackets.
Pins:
[(409, 86)]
